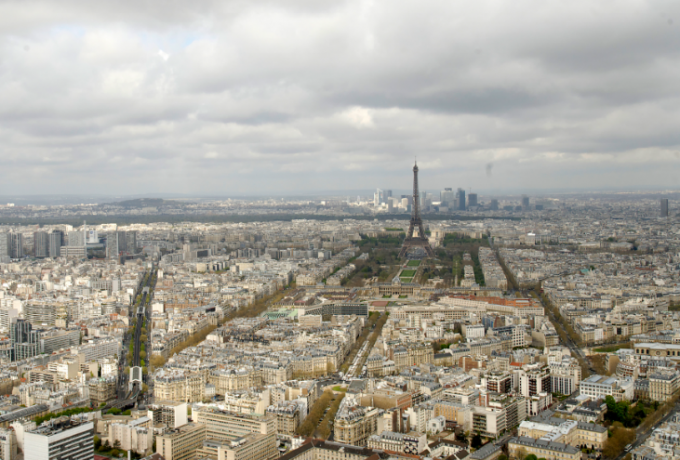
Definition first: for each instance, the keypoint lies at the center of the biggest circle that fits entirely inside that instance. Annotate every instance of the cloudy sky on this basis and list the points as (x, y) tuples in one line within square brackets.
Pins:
[(247, 97)]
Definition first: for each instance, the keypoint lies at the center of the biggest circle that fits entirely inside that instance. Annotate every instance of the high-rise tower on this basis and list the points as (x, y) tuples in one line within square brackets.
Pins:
[(419, 241), (41, 244)]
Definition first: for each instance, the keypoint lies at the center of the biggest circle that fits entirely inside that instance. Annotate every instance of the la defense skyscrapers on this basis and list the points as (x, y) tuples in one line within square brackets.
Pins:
[(41, 244)]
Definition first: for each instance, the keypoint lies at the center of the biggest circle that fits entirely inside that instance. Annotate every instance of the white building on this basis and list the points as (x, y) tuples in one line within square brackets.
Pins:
[(474, 331), (419, 415), (135, 435), (534, 379), (565, 375), (8, 444), (109, 367), (59, 439), (436, 425), (600, 386), (20, 427)]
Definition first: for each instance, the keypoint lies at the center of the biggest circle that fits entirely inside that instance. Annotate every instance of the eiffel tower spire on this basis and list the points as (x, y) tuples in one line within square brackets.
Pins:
[(419, 241)]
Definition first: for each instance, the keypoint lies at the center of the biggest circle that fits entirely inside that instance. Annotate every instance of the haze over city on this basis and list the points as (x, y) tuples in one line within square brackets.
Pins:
[(261, 97)]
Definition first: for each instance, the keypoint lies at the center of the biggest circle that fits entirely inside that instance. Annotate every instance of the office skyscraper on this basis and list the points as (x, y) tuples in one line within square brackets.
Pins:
[(525, 203), (378, 197), (446, 197), (20, 331), (472, 200), (56, 241), (405, 204), (5, 247), (41, 244), (460, 200), (17, 245), (120, 242), (77, 238), (494, 205), (114, 245), (664, 207), (25, 340), (130, 242)]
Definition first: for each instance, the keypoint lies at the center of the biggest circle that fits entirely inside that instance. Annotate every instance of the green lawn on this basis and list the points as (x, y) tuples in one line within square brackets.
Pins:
[(611, 348), (406, 280), (339, 388), (407, 273), (413, 263)]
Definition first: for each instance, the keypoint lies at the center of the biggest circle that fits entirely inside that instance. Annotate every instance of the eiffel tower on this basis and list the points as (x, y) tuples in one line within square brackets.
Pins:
[(420, 241)]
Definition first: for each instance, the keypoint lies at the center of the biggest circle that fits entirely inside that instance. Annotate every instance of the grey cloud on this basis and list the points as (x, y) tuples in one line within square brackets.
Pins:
[(215, 97)]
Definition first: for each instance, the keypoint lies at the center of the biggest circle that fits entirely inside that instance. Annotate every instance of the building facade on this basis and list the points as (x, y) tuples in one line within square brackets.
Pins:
[(61, 439)]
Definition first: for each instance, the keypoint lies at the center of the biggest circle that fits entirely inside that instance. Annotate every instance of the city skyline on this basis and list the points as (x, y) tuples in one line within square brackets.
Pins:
[(260, 98), (315, 230)]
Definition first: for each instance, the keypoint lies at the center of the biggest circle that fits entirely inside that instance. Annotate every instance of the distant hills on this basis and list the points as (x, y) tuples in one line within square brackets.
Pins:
[(143, 203)]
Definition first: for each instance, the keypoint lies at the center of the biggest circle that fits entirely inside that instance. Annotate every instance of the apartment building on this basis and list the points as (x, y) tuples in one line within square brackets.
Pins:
[(8, 444), (226, 380), (488, 421), (565, 376), (406, 356), (498, 382), (228, 426), (59, 439), (321, 450), (473, 331), (663, 384), (181, 443), (58, 339), (288, 417), (534, 379), (419, 415), (378, 366), (408, 443), (179, 385), (456, 412), (571, 432), (169, 413), (599, 387), (520, 447), (136, 435), (253, 446), (102, 390), (354, 424), (95, 349), (516, 332), (515, 408)]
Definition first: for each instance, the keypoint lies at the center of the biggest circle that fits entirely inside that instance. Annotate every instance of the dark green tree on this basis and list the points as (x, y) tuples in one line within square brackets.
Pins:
[(476, 442)]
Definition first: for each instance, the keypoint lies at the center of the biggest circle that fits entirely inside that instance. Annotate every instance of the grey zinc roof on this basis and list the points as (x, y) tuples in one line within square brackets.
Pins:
[(485, 451), (551, 445)]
